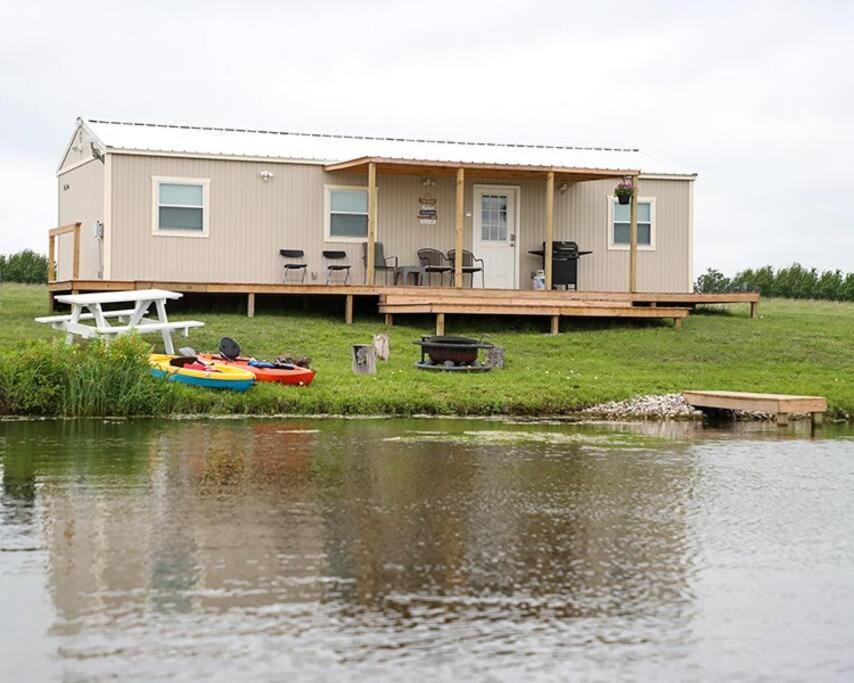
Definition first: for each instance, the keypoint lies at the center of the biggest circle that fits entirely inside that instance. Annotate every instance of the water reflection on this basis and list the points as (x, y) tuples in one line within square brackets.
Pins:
[(465, 545)]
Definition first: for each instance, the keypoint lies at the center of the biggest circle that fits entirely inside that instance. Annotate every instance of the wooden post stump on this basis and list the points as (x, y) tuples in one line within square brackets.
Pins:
[(754, 309), (495, 357), (381, 346), (555, 325), (364, 359), (250, 305), (348, 309)]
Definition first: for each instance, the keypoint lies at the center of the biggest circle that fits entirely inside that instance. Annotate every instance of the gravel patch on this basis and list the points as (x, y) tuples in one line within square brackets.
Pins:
[(665, 406), (660, 407)]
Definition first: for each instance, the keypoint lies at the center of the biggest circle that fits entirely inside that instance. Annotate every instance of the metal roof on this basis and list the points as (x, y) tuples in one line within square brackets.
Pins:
[(330, 148)]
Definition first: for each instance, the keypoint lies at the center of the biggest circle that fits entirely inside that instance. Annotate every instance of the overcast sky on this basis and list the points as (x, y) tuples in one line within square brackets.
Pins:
[(758, 98)]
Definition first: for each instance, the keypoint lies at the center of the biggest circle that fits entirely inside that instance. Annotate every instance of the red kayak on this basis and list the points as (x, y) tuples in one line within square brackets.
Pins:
[(266, 372)]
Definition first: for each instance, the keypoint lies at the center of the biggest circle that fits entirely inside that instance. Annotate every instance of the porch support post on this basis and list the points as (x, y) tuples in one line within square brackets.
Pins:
[(633, 239), (75, 267), (550, 219), (458, 229), (372, 222), (51, 258)]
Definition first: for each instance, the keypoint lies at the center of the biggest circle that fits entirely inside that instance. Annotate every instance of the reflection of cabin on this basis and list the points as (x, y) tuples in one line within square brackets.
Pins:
[(234, 515)]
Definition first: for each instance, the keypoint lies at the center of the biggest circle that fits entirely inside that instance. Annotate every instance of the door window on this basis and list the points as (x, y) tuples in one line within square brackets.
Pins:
[(493, 217)]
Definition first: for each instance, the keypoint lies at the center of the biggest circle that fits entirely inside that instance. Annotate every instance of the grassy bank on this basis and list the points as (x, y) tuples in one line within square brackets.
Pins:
[(799, 347)]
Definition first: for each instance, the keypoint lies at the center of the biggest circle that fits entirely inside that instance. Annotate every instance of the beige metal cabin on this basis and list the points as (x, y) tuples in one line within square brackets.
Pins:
[(190, 204)]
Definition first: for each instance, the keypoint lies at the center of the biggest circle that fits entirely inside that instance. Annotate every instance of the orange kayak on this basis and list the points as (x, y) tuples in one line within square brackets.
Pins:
[(266, 372)]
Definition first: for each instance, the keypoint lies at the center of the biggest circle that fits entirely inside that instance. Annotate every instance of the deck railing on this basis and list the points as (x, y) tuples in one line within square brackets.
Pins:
[(51, 251)]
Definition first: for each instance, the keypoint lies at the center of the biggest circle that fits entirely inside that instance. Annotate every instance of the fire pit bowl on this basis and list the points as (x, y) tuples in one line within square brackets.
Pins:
[(452, 350)]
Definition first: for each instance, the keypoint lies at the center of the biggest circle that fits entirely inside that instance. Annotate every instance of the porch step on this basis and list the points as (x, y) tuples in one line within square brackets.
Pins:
[(576, 309)]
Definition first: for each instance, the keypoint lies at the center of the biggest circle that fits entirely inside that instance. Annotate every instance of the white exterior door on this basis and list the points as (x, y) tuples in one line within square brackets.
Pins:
[(495, 234)]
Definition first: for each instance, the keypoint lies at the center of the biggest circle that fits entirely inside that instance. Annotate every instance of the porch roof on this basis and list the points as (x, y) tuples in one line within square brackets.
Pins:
[(481, 170)]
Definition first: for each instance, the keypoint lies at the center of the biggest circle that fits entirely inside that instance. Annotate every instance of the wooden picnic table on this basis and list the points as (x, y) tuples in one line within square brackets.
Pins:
[(132, 319)]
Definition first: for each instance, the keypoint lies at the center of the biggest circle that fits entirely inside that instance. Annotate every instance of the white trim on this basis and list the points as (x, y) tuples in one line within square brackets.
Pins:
[(76, 164), (77, 129), (517, 189), (625, 247), (106, 219), (327, 214), (667, 176), (155, 205), (219, 157), (690, 238), (311, 162)]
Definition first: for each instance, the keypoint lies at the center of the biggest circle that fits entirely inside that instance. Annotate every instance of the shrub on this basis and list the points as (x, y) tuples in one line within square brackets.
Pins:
[(712, 282), (26, 266), (83, 380)]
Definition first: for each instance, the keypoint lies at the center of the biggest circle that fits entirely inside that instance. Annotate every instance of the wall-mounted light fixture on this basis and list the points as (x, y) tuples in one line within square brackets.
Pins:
[(66, 186), (564, 187), (428, 183), (266, 175)]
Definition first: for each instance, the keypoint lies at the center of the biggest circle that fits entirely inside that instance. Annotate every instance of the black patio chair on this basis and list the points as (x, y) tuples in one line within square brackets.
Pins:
[(469, 266), (433, 261), (332, 268), (381, 261), (294, 266)]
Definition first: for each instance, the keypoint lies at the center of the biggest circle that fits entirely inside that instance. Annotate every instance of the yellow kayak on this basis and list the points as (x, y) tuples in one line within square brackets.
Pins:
[(189, 371)]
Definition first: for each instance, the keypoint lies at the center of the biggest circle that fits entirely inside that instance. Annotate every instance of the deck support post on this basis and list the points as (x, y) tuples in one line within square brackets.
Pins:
[(633, 238), (372, 224), (348, 309), (754, 309), (250, 305), (816, 419), (782, 419), (440, 324), (550, 214), (458, 228), (555, 325), (677, 323), (389, 319)]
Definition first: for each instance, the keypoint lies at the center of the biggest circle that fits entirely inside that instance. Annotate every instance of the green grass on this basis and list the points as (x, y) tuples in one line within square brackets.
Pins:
[(796, 347)]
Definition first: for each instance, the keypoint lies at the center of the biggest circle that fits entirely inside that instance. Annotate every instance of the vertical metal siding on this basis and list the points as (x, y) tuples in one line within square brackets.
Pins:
[(83, 201), (250, 220)]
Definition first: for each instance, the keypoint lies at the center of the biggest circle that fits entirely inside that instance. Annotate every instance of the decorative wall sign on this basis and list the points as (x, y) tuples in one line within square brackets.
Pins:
[(427, 212)]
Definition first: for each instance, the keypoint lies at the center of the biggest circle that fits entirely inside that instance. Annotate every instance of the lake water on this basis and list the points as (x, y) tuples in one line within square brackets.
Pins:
[(424, 550)]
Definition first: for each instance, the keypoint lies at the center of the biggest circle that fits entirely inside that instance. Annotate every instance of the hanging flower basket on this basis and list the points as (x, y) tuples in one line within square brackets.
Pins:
[(624, 191)]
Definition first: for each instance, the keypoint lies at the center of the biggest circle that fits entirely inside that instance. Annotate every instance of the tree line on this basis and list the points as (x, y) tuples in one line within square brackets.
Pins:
[(792, 282), (25, 266)]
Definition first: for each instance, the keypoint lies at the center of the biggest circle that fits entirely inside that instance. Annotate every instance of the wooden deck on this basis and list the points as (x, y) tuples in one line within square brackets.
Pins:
[(442, 301), (781, 405)]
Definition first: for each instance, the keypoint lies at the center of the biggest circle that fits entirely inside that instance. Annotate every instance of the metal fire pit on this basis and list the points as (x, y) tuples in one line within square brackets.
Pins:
[(451, 353)]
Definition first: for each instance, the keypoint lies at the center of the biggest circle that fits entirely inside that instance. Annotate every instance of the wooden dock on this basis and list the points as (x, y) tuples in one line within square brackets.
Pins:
[(443, 301), (781, 405)]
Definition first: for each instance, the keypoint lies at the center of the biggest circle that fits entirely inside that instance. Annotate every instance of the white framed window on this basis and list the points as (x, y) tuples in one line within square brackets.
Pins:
[(619, 224), (345, 213), (179, 206)]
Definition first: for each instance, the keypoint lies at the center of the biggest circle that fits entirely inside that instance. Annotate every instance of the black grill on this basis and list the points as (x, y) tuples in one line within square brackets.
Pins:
[(565, 255)]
